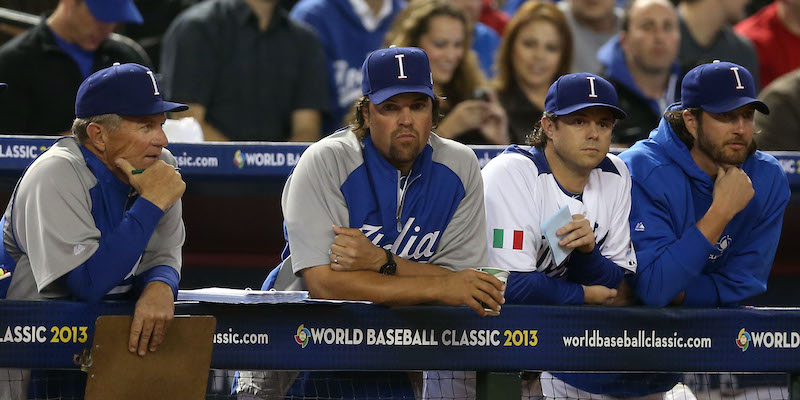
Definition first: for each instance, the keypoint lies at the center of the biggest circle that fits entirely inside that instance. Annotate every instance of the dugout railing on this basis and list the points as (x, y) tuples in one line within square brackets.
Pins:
[(263, 160), (364, 337)]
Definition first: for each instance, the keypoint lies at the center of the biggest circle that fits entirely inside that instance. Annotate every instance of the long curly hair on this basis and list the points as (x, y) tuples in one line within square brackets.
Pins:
[(414, 21), (675, 119), (532, 11)]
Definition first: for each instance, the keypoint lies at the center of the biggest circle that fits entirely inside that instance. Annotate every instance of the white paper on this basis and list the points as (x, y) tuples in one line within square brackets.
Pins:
[(549, 228), (241, 296)]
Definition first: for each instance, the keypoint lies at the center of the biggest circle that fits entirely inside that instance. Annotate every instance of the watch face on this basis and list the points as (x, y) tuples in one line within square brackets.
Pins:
[(389, 269)]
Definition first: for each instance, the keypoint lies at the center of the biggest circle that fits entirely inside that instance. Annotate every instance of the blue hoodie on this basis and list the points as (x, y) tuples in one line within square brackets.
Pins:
[(670, 194), (346, 43)]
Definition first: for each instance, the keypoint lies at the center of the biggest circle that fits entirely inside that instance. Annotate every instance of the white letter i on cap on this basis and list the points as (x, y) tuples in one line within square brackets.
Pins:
[(592, 92), (153, 79), (399, 58), (738, 80)]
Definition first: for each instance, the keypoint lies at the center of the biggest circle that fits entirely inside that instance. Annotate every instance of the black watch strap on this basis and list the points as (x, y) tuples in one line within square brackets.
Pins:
[(390, 268)]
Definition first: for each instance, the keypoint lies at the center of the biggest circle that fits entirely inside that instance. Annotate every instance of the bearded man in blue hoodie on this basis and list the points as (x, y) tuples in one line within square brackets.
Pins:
[(707, 207)]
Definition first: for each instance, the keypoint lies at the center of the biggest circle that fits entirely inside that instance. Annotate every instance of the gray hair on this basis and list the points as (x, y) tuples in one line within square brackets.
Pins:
[(109, 121)]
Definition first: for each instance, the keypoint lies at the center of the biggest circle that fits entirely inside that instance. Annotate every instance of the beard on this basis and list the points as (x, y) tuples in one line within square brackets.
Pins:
[(404, 153), (720, 153)]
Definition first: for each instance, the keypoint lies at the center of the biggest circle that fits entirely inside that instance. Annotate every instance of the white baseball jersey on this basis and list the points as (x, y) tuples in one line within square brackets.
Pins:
[(521, 193)]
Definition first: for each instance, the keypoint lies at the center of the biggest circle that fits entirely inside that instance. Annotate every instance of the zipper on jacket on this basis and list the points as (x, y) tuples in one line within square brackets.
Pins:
[(402, 197)]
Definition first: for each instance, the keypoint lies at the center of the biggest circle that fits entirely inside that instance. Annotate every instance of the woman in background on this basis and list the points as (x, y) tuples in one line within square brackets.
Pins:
[(471, 112), (535, 51)]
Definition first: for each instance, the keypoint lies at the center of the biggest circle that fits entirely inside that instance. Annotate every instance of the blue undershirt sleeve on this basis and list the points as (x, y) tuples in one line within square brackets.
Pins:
[(593, 269), (163, 273), (117, 254), (538, 288)]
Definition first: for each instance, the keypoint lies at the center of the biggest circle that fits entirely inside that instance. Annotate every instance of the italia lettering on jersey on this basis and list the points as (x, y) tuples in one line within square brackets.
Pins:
[(412, 243), (411, 224)]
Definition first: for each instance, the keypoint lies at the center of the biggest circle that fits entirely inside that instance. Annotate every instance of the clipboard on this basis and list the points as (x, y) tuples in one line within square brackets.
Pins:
[(177, 370)]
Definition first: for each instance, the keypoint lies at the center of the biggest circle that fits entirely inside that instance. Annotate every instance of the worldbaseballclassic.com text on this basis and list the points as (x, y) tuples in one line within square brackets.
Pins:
[(642, 339)]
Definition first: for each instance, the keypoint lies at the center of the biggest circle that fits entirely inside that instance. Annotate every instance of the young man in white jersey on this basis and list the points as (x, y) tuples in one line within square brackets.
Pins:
[(567, 165)]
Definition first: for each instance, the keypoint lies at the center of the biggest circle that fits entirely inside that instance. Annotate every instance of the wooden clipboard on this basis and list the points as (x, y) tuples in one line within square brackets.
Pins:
[(177, 370)]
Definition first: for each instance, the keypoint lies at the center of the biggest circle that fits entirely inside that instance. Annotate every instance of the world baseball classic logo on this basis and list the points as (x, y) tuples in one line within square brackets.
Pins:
[(743, 340), (302, 336)]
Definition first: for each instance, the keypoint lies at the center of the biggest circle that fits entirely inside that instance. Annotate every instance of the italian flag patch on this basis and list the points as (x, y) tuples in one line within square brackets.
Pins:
[(507, 239)]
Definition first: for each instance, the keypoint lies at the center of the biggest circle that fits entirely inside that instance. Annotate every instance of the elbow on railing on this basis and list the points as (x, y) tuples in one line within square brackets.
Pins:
[(656, 297), (320, 284), (83, 289), (89, 296)]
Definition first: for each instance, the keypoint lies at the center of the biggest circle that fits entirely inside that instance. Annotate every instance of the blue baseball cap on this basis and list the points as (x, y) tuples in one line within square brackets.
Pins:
[(115, 11), (396, 70), (574, 92), (719, 87), (123, 89), (3, 86)]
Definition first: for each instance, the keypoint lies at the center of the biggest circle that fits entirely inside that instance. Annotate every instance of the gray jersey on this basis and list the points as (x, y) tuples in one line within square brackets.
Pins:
[(343, 181), (51, 224), (335, 183)]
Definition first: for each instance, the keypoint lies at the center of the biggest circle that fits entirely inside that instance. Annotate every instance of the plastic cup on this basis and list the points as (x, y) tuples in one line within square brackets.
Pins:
[(502, 276)]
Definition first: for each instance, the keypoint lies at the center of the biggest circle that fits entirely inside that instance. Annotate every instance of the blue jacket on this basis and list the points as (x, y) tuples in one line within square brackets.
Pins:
[(346, 43), (670, 194)]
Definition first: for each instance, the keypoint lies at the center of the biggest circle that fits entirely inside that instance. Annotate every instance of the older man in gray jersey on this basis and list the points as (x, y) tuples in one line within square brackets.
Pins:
[(98, 215)]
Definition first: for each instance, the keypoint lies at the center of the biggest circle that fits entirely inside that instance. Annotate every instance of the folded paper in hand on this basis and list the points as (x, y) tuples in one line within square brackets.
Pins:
[(549, 228)]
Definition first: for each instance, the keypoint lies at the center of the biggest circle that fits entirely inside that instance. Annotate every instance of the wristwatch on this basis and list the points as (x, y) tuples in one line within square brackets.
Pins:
[(390, 268)]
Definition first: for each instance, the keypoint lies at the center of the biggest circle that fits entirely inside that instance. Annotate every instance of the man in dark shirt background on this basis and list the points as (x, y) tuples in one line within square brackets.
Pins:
[(247, 71), (45, 65)]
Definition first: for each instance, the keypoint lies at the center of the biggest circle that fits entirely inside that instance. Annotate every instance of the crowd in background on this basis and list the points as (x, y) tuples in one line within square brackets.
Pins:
[(283, 70)]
